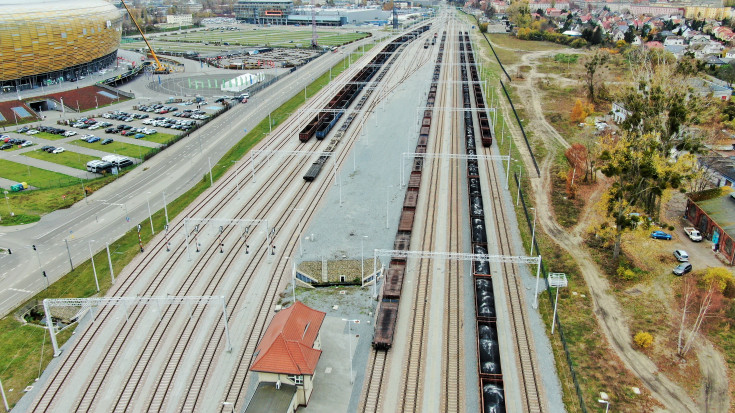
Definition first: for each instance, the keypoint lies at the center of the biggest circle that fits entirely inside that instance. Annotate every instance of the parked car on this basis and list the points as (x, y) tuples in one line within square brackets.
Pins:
[(693, 234), (24, 129), (58, 150), (681, 255), (106, 141), (682, 268), (5, 146), (139, 135), (26, 144), (660, 235), (93, 139), (50, 149), (45, 148), (69, 133), (31, 132)]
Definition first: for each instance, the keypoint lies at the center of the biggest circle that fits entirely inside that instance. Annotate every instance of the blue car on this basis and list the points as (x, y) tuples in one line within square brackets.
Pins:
[(93, 139), (139, 135), (660, 235)]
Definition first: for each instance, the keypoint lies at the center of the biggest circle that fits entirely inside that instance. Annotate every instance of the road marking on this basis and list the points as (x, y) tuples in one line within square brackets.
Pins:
[(18, 290)]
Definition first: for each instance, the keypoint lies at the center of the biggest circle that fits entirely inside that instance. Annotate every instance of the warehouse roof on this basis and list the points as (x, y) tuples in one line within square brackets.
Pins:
[(287, 345)]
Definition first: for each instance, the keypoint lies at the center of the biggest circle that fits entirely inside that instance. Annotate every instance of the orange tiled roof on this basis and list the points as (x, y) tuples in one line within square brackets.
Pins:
[(286, 346)]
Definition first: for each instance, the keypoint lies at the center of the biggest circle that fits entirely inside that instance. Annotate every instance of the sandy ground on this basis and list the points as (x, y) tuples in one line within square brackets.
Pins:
[(608, 311)]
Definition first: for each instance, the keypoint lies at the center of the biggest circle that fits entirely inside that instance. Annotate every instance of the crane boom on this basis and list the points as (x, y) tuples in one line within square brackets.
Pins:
[(160, 68)]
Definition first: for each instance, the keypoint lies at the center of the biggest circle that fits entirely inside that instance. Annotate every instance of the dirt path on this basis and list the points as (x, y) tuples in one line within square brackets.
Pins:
[(607, 309)]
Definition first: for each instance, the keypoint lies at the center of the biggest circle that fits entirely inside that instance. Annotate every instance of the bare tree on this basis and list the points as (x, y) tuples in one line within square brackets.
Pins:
[(709, 300)]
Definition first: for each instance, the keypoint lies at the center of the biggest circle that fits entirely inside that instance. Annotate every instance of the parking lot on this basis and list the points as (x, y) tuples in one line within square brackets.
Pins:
[(130, 130)]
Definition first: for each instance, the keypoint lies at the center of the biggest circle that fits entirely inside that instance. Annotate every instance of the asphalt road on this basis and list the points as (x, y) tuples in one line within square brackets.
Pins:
[(102, 217)]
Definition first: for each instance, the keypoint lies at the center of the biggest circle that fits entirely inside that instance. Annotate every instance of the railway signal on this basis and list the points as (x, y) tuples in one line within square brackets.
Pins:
[(140, 240)]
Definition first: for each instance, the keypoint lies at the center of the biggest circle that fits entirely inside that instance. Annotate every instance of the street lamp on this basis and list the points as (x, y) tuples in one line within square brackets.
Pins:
[(349, 341), (533, 232), (607, 404), (362, 257), (94, 269), (7, 201), (518, 194), (150, 216)]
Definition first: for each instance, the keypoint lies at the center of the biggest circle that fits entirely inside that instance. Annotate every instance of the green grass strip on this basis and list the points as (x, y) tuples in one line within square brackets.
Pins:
[(67, 158)]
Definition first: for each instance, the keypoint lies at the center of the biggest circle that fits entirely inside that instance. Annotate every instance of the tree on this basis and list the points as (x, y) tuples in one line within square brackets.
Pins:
[(592, 65), (490, 12), (719, 276), (483, 27), (629, 36), (596, 36), (727, 73), (704, 301), (519, 14), (579, 112)]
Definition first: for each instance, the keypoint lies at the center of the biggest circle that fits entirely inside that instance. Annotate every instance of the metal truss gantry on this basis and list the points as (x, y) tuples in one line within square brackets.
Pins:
[(126, 302), (460, 256)]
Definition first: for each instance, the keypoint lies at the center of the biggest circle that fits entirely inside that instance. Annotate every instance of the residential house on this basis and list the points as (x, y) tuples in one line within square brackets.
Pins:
[(288, 354), (674, 41), (618, 35), (637, 41), (619, 113)]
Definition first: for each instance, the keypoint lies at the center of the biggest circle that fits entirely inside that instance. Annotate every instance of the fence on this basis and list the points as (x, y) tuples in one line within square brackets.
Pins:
[(559, 326), (523, 131)]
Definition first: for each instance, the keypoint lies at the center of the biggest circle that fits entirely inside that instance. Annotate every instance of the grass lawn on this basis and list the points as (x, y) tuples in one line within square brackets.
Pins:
[(511, 42), (40, 178), (119, 148), (28, 206), (45, 135), (67, 158), (20, 345), (159, 137)]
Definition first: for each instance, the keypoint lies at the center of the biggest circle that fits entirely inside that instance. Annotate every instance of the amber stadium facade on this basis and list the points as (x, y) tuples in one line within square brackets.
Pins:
[(47, 42)]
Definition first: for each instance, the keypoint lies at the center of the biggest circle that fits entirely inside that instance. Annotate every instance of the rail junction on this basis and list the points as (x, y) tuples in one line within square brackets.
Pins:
[(238, 243)]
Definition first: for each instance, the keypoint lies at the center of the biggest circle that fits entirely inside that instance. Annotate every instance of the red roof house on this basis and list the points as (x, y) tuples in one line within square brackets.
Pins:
[(290, 349)]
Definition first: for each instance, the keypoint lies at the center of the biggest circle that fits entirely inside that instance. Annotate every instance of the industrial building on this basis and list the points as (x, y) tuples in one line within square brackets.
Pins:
[(263, 11), (44, 41), (281, 12)]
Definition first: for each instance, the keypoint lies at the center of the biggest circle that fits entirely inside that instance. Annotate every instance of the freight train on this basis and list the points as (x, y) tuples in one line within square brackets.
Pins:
[(488, 352), (323, 121), (387, 312), (320, 125)]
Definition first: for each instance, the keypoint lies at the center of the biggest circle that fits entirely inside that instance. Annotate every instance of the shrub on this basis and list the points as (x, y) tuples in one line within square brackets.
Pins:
[(578, 43), (626, 274), (643, 339)]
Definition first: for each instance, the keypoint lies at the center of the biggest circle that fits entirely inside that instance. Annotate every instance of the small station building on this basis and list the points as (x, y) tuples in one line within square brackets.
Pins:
[(286, 360)]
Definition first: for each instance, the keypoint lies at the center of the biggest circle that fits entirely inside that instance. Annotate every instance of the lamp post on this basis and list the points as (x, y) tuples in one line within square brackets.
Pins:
[(387, 204), (301, 246), (150, 216), (349, 342), (7, 202), (533, 232), (607, 404), (94, 269), (518, 194), (362, 257), (5, 400)]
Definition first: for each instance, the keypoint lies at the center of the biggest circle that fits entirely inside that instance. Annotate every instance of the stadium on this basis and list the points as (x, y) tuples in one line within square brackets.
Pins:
[(44, 42)]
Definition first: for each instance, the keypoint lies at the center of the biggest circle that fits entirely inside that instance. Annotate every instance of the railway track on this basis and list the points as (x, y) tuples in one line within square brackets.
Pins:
[(411, 383), (530, 390), (125, 283)]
